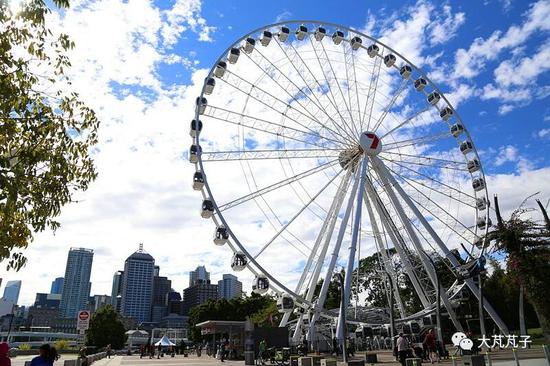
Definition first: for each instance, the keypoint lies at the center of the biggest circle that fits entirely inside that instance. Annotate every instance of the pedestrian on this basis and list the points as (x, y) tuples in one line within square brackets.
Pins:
[(262, 348), (159, 351), (82, 356), (223, 347), (108, 350), (47, 355), (402, 348), (4, 354), (429, 346), (335, 346)]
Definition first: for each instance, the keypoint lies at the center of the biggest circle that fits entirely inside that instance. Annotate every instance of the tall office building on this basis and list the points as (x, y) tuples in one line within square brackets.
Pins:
[(116, 291), (199, 275), (229, 287), (76, 284), (137, 286), (198, 294), (11, 291), (161, 288), (57, 286)]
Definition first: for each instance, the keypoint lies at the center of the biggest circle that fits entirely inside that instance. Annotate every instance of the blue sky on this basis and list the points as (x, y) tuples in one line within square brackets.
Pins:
[(140, 64)]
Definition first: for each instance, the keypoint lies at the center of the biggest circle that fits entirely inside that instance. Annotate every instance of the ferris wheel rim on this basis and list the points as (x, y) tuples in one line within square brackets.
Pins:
[(200, 166)]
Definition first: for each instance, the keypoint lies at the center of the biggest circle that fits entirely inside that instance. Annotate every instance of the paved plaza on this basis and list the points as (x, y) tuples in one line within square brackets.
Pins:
[(533, 357)]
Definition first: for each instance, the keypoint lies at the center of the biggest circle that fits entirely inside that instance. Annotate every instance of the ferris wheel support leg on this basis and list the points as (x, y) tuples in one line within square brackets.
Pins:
[(334, 257), (341, 329), (386, 260), (340, 196), (469, 282), (389, 225), (389, 181)]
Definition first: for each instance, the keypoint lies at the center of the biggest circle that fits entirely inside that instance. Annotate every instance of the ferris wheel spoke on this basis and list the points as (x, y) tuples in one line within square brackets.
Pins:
[(289, 222), (277, 185), (297, 56), (274, 103), (285, 89), (422, 164), (269, 154), (273, 128), (351, 76), (408, 182), (348, 107), (415, 141), (317, 102), (430, 159), (388, 107), (371, 95), (436, 181), (322, 66), (405, 121)]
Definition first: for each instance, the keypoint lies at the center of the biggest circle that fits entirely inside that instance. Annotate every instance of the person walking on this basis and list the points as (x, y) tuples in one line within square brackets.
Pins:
[(108, 350), (47, 355), (429, 346), (4, 354), (262, 348), (159, 351), (402, 348), (222, 351)]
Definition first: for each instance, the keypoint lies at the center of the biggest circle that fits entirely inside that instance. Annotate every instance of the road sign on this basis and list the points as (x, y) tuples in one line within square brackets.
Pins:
[(83, 320)]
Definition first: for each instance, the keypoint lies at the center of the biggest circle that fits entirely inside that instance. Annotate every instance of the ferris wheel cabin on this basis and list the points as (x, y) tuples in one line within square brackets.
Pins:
[(201, 104), (209, 87), (338, 37), (478, 184), (301, 32), (405, 71), (482, 223), (195, 128), (473, 165), (481, 203), (420, 84), (267, 36), (373, 50), (285, 303), (356, 43), (219, 71), (194, 151), (221, 235), (198, 181), (320, 33), (249, 45), (233, 55), (238, 262), (446, 113), (207, 209), (261, 284), (457, 129), (389, 60), (466, 147), (433, 98), (283, 34)]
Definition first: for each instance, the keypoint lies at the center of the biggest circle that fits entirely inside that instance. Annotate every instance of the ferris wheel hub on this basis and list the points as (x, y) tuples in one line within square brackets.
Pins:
[(370, 143)]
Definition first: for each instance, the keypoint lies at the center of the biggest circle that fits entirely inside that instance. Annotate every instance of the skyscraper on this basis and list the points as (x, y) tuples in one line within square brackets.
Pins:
[(199, 275), (57, 286), (229, 287), (137, 286), (116, 291), (161, 288), (11, 291), (76, 283)]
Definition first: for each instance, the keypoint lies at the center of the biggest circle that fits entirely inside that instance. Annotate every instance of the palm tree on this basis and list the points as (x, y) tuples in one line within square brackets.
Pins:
[(526, 243)]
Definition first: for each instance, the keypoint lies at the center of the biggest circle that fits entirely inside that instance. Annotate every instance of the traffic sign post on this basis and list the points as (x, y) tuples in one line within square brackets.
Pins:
[(83, 321)]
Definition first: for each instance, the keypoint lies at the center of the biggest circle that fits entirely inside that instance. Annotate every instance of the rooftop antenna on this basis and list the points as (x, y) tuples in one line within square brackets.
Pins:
[(140, 248)]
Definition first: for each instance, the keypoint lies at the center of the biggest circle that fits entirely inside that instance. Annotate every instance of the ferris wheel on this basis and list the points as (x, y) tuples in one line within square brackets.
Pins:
[(313, 144)]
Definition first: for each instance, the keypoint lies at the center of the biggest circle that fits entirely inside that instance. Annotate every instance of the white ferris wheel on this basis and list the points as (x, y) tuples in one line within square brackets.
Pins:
[(313, 144)]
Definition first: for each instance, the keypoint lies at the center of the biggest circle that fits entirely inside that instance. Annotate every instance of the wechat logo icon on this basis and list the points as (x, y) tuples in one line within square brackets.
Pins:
[(460, 339)]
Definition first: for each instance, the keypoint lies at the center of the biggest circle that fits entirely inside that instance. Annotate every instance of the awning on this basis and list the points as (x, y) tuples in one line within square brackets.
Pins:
[(164, 341)]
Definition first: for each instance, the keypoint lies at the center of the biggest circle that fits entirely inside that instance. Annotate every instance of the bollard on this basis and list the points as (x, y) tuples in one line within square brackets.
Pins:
[(453, 360), (489, 361), (515, 352)]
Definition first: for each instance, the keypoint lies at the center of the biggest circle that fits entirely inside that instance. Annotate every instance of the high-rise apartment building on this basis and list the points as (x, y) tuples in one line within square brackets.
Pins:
[(198, 294), (57, 286), (76, 284), (199, 275), (137, 286), (229, 287), (116, 291), (11, 291)]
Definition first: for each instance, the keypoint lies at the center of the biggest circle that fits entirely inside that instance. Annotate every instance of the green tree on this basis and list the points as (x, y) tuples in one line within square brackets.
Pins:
[(106, 328), (46, 131), (527, 245)]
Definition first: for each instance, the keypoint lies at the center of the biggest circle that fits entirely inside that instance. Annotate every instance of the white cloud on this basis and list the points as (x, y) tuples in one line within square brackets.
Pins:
[(446, 25), (470, 62), (506, 154), (525, 70), (545, 132)]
